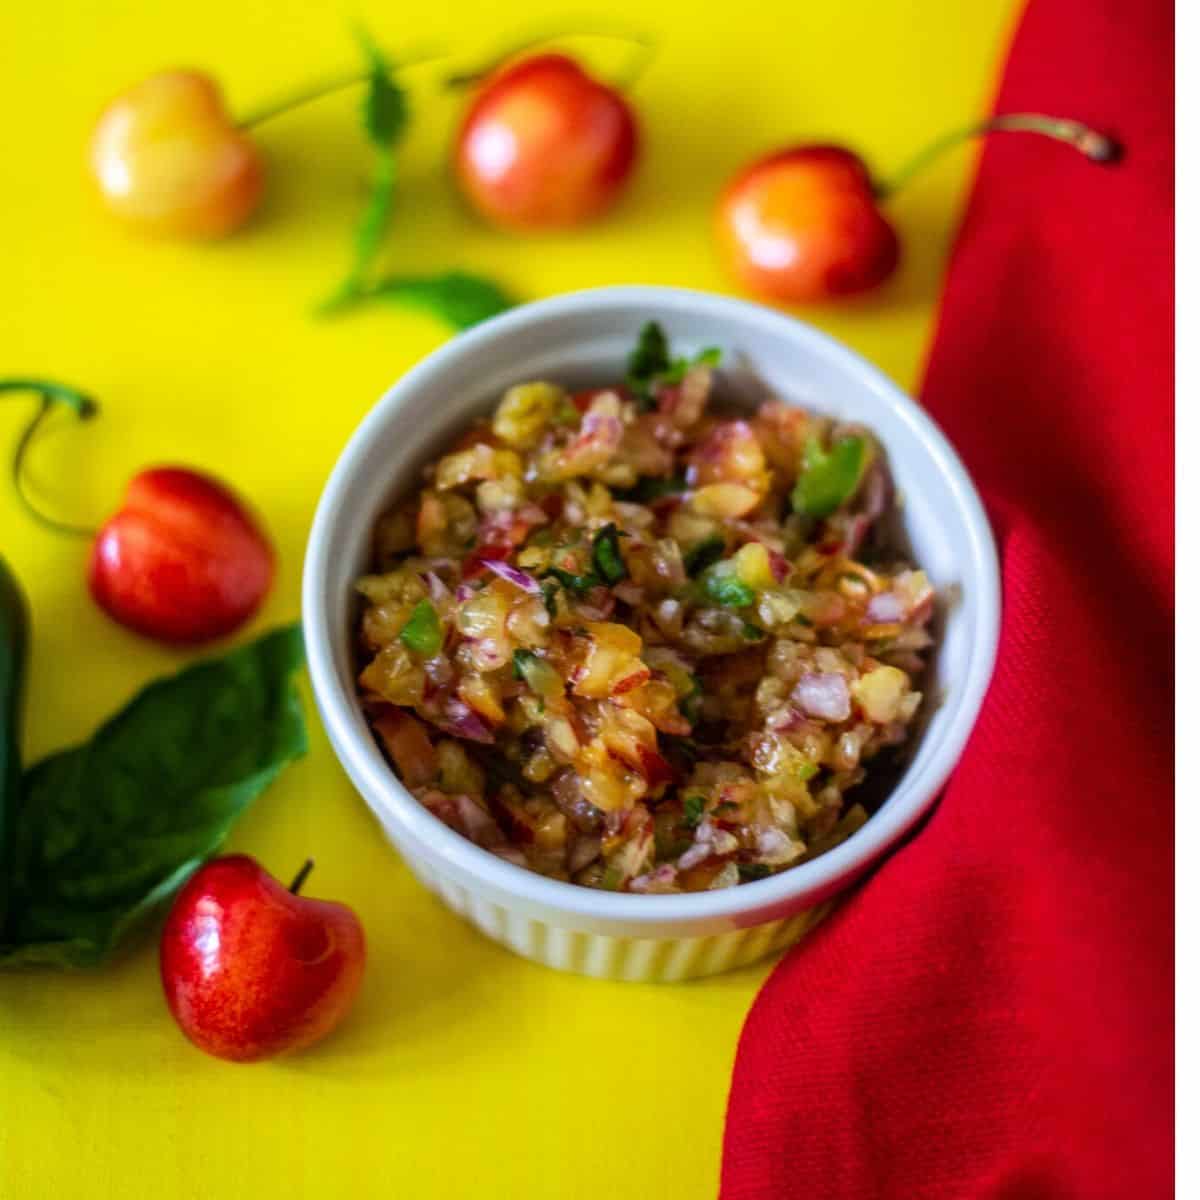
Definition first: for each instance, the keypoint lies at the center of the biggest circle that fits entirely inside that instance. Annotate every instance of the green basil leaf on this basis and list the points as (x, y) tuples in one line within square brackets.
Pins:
[(572, 583), (703, 554), (648, 358), (459, 298), (606, 555), (829, 478), (108, 831), (422, 631)]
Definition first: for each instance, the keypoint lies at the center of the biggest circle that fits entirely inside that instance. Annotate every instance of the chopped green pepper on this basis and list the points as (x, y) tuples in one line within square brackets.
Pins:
[(693, 811), (606, 555), (829, 478), (751, 871), (729, 591), (572, 583), (422, 632), (648, 489)]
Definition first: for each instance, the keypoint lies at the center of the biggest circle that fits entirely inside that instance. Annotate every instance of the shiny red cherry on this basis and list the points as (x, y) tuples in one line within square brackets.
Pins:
[(251, 969), (803, 225), (544, 144), (182, 560)]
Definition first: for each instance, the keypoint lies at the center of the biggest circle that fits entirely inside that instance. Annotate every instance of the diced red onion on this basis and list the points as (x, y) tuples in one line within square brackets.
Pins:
[(823, 695), (885, 608), (780, 567), (521, 579), (463, 593), (659, 879), (438, 591), (463, 721)]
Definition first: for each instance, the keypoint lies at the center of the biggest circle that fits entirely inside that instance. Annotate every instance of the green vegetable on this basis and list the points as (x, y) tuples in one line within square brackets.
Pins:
[(14, 648), (693, 811), (703, 554), (829, 478), (542, 678), (422, 631), (650, 363), (521, 662), (648, 489), (690, 704), (571, 582), (459, 298), (107, 832), (752, 633), (729, 591), (647, 359), (750, 871), (606, 555), (550, 590)]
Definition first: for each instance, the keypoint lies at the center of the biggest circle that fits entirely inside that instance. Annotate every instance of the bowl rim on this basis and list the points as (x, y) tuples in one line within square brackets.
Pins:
[(914, 794)]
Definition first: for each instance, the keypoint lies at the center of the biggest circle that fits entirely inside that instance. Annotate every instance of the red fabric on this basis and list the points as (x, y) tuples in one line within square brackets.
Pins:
[(991, 1014)]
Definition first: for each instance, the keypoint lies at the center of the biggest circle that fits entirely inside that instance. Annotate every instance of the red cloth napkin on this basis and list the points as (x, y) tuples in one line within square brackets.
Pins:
[(991, 1014)]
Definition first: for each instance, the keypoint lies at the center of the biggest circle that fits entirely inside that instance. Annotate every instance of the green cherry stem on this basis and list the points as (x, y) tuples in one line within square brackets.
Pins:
[(645, 48), (1099, 147), (49, 394), (335, 83), (301, 876)]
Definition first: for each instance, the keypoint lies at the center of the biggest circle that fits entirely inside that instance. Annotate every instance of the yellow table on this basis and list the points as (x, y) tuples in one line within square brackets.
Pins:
[(463, 1071)]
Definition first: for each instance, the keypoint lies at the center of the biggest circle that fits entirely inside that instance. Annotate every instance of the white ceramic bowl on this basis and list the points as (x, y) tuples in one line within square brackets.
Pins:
[(581, 339)]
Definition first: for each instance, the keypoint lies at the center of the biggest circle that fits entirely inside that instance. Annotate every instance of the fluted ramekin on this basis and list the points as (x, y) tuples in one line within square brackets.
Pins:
[(583, 339)]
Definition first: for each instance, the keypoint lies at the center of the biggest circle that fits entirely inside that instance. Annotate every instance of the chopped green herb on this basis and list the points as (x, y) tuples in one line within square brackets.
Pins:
[(703, 554), (651, 363), (693, 811), (690, 704), (751, 871), (550, 590), (829, 478), (648, 489), (572, 583), (648, 359), (422, 632), (729, 591), (606, 555), (521, 661), (752, 633)]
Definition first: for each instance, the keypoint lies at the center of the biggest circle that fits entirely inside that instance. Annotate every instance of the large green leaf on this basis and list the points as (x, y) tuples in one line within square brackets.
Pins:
[(107, 832)]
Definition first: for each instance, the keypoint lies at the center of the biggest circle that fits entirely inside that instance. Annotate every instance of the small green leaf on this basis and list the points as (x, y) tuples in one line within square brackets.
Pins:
[(829, 478), (521, 662), (703, 554), (385, 108), (571, 582), (729, 591), (693, 811), (550, 590), (648, 358), (106, 832), (459, 298), (752, 633), (748, 872), (422, 632), (606, 555)]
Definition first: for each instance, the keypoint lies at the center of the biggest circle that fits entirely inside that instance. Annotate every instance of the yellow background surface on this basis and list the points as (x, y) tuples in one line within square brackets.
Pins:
[(463, 1071)]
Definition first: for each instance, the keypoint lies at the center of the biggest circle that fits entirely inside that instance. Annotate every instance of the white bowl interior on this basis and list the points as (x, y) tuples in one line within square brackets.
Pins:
[(584, 339)]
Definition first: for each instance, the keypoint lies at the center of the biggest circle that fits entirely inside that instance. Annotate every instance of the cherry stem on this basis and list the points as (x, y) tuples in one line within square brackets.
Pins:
[(301, 876), (1099, 147), (335, 83), (49, 394), (645, 49)]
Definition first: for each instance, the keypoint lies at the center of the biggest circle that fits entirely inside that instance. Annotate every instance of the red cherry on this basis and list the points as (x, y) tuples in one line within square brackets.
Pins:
[(544, 144), (803, 224), (182, 560), (251, 969)]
